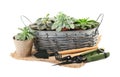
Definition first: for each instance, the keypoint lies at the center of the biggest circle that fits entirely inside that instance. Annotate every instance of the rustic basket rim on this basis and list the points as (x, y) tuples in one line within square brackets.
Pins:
[(64, 31)]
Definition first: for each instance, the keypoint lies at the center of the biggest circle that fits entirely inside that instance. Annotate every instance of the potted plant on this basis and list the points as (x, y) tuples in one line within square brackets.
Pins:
[(64, 33), (23, 42)]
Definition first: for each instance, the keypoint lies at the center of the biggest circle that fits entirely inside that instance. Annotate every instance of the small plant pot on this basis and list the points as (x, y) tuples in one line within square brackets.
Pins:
[(23, 48)]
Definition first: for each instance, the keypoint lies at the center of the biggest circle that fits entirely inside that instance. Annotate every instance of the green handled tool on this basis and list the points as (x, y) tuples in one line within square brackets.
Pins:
[(98, 56), (94, 55)]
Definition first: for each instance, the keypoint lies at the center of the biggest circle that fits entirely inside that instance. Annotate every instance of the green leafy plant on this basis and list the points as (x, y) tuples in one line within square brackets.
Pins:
[(63, 21), (85, 23), (44, 23), (25, 34)]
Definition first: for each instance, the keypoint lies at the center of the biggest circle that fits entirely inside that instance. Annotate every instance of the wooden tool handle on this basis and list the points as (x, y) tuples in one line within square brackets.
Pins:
[(76, 50), (82, 53)]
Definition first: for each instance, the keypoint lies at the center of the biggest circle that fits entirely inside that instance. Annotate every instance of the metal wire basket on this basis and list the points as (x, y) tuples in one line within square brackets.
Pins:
[(58, 41), (64, 40)]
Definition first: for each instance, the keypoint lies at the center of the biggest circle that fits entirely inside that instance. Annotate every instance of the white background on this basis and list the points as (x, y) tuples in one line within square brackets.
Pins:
[(10, 12)]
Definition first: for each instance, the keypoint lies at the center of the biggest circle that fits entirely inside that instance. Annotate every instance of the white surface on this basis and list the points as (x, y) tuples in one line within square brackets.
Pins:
[(109, 29)]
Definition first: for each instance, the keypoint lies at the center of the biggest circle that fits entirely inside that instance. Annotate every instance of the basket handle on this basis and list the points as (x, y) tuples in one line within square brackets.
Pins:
[(22, 16), (99, 19)]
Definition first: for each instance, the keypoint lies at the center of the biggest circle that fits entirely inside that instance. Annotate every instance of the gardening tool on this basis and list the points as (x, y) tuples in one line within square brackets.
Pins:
[(75, 59), (86, 57), (97, 57), (42, 53), (69, 56)]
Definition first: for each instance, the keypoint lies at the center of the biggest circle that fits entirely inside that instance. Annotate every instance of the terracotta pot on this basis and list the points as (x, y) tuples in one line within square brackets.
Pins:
[(23, 48)]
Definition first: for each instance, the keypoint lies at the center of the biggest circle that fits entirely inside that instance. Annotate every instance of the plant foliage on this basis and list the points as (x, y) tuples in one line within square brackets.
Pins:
[(85, 23), (44, 23), (63, 21), (25, 34)]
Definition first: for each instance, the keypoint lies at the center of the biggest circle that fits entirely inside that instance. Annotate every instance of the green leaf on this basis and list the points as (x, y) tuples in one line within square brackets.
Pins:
[(21, 29), (72, 26), (54, 26), (59, 29), (25, 34)]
